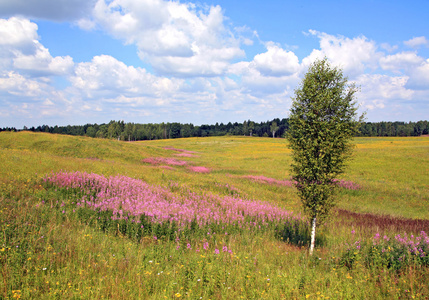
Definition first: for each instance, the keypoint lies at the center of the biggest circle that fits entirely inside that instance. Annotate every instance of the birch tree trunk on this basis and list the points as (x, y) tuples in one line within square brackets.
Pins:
[(313, 235)]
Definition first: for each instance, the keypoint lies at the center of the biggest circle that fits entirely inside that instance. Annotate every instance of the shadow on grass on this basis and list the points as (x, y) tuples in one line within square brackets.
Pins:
[(297, 232)]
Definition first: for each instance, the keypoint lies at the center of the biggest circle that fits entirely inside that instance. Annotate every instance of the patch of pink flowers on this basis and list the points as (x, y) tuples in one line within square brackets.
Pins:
[(164, 160), (128, 198), (417, 245), (199, 169)]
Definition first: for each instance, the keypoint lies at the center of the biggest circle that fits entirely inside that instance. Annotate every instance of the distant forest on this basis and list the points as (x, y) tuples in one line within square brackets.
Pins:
[(275, 128)]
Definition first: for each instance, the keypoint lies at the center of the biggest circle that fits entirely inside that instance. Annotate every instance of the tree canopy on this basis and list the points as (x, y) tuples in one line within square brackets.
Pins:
[(149, 131)]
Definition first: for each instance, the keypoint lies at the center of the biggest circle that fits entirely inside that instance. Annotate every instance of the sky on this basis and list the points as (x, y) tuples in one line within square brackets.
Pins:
[(73, 62)]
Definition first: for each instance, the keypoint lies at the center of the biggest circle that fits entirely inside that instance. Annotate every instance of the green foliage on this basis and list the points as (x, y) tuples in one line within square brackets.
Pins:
[(387, 255), (274, 128), (322, 124)]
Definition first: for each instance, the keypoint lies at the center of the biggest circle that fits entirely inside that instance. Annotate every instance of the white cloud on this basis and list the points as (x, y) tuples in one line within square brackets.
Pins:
[(56, 10), (400, 61), (42, 63), (17, 85), (417, 42), (420, 76), (379, 91), (86, 24), (176, 38), (105, 74), (21, 51), (17, 32), (388, 47), (272, 74), (26, 72), (411, 65), (276, 61), (256, 84), (198, 76), (354, 56)]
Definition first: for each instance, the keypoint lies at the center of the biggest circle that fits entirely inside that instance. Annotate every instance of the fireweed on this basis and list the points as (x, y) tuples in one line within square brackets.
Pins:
[(165, 160), (142, 209), (199, 169), (392, 253)]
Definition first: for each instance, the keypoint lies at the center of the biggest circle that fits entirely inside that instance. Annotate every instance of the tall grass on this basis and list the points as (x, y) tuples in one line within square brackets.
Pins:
[(47, 251)]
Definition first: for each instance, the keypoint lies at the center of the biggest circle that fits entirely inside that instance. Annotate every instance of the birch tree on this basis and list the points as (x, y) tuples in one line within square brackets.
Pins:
[(323, 120), (274, 128)]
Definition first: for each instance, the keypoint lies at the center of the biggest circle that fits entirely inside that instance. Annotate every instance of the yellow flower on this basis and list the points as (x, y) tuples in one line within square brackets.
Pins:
[(16, 294), (178, 295)]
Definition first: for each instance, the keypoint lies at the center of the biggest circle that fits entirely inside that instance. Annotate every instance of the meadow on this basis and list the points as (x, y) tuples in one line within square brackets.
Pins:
[(206, 218)]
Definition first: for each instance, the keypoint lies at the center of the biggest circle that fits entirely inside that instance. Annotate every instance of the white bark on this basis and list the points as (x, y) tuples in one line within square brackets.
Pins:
[(313, 235)]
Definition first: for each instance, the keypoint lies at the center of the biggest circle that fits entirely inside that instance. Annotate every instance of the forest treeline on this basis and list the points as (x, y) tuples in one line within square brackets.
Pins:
[(275, 128)]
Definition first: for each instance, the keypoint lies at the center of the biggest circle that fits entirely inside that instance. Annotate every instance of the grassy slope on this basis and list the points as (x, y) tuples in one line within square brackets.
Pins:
[(392, 171), (82, 262)]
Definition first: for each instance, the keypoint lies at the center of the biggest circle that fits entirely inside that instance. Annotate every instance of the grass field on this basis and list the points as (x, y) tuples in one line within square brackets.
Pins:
[(217, 216)]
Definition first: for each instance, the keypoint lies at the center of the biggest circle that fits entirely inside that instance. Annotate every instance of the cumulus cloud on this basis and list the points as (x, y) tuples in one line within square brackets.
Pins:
[(270, 77), (175, 38), (420, 76), (411, 65), (56, 10), (42, 63), (26, 72), (400, 61), (276, 61), (354, 55), (200, 74), (388, 47), (417, 42), (17, 85), (258, 85), (21, 51), (382, 91), (17, 32), (105, 75)]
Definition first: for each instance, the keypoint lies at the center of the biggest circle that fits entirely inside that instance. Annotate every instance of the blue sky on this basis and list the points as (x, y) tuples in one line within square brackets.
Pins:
[(150, 61)]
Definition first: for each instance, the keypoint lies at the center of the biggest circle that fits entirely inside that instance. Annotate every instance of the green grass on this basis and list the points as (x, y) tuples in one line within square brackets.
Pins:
[(45, 254)]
